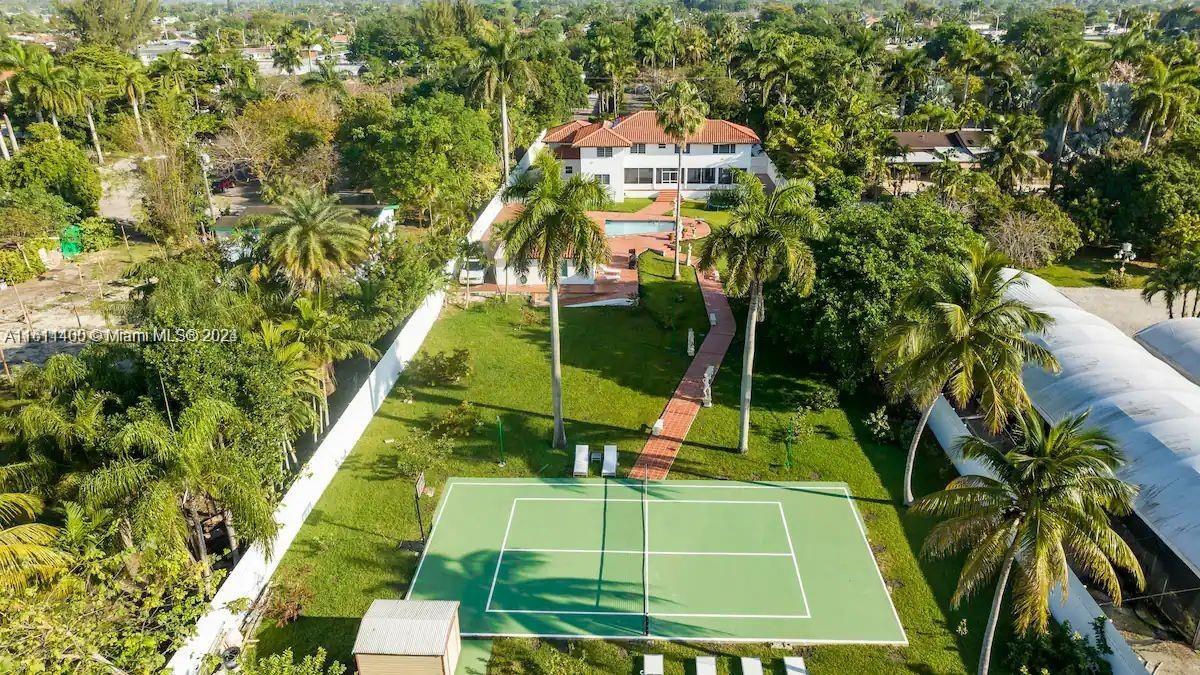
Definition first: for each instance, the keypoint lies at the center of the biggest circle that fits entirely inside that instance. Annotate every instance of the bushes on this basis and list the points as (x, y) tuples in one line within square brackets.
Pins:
[(97, 234), (422, 452), (23, 263), (288, 598), (441, 369), (1061, 651), (460, 421), (57, 165)]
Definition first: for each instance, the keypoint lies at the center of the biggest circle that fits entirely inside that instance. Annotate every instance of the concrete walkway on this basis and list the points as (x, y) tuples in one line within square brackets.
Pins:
[(660, 451), (1122, 307)]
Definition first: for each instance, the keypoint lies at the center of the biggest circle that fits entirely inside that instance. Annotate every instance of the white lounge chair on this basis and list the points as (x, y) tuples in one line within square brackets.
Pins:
[(706, 665), (652, 664), (581, 460), (609, 468), (794, 665), (606, 273), (751, 666)]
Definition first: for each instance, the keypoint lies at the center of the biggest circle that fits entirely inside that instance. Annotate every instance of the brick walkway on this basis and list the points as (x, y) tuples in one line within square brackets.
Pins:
[(659, 452)]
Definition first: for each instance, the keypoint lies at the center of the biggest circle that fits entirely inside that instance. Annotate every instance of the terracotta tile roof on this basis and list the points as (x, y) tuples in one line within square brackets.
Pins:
[(643, 127), (600, 136), (564, 133)]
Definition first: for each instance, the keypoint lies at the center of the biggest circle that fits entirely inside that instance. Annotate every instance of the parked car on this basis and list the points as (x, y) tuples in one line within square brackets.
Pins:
[(472, 271), (220, 186)]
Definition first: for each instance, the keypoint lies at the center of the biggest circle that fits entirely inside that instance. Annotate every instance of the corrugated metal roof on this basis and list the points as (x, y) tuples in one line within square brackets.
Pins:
[(406, 627), (1151, 410), (1177, 342)]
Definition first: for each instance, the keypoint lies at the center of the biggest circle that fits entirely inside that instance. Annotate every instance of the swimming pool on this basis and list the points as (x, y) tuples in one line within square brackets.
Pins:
[(618, 228)]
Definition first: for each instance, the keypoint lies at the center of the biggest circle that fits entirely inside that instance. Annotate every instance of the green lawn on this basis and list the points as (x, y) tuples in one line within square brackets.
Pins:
[(1087, 268), (630, 205), (672, 303), (619, 367), (696, 209)]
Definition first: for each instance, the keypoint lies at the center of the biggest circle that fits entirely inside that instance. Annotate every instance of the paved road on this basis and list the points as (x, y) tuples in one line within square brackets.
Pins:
[(1123, 308)]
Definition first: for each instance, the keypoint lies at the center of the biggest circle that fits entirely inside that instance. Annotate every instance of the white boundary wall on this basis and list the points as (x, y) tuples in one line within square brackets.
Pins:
[(251, 575), (1078, 607)]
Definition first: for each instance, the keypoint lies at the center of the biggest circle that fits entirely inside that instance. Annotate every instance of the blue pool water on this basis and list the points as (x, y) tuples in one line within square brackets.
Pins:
[(618, 228)]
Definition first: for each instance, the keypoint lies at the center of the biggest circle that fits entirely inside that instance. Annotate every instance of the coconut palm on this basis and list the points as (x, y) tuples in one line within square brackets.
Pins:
[(553, 225), (681, 113), (324, 78), (27, 552), (765, 241), (1165, 280), (907, 73), (286, 57), (961, 331), (502, 69), (326, 336), (302, 377), (133, 82), (951, 180), (1045, 502), (173, 71), (1015, 147), (49, 89), (313, 239), (1163, 96), (967, 58), (93, 92), (1074, 93)]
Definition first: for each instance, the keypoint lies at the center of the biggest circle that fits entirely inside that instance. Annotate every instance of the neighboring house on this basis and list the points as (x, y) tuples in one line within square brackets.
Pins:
[(923, 150), (148, 52), (264, 59), (636, 158)]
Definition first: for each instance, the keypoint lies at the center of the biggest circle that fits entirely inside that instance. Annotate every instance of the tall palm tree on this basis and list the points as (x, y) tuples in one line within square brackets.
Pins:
[(173, 71), (1074, 93), (1046, 502), (19, 58), (907, 72), (1163, 96), (286, 57), (502, 69), (27, 552), (327, 337), (681, 113), (302, 377), (951, 180), (49, 89), (553, 225), (93, 92), (324, 78), (133, 82), (959, 331), (1165, 280), (765, 240), (313, 239), (967, 58), (1014, 154)]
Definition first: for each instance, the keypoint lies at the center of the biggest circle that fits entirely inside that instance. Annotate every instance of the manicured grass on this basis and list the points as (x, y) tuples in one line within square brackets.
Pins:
[(619, 368), (674, 304), (630, 205), (1087, 268), (696, 209)]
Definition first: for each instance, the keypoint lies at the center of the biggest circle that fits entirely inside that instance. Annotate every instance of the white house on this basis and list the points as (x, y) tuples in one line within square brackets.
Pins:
[(636, 158)]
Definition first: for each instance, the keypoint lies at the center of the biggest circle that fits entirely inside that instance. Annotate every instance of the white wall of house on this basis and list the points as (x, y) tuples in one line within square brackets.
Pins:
[(662, 162), (534, 277)]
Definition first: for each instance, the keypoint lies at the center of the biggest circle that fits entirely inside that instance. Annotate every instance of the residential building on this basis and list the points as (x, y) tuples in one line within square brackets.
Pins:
[(636, 158), (150, 51), (923, 150)]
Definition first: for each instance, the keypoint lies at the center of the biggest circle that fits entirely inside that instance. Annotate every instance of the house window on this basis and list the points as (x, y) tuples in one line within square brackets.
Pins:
[(702, 176), (639, 176), (564, 269), (724, 177), (602, 178), (604, 152), (668, 176), (723, 149), (638, 149), (662, 146), (568, 169)]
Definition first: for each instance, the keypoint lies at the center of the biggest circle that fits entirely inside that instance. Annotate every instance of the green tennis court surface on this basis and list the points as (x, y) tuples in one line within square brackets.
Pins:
[(676, 560)]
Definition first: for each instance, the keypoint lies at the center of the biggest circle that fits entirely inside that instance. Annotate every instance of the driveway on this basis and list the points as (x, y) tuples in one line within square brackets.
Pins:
[(1123, 308)]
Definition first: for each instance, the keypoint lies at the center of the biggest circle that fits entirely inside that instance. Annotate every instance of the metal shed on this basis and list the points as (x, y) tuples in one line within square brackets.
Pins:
[(408, 637)]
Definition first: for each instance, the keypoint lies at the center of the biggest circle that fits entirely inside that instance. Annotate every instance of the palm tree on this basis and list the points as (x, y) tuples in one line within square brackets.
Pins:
[(27, 553), (49, 89), (19, 58), (1074, 93), (502, 69), (302, 376), (907, 72), (967, 57), (173, 70), (313, 239), (326, 338), (286, 57), (132, 80), (1163, 96), (959, 330), (1015, 146), (92, 92), (951, 180), (1047, 501), (1166, 281), (326, 77), (681, 113), (765, 240), (554, 224)]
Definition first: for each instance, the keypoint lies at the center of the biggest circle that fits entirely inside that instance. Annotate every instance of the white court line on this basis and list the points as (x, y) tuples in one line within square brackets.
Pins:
[(867, 542), (500, 558), (437, 518), (582, 612), (664, 501), (785, 554), (676, 638), (788, 533), (645, 557)]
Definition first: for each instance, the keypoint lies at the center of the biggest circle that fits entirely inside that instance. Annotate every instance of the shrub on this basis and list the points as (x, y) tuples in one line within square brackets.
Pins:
[(421, 452), (288, 597), (23, 264), (442, 368), (1114, 279), (460, 421), (879, 425), (1061, 651), (721, 199), (822, 397), (97, 234), (284, 664)]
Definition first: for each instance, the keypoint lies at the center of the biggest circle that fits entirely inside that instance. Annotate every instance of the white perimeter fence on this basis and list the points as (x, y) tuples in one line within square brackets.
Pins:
[(1078, 607)]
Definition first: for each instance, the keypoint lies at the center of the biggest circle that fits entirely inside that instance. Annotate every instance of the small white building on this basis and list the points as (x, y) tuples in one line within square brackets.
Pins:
[(636, 158), (419, 637)]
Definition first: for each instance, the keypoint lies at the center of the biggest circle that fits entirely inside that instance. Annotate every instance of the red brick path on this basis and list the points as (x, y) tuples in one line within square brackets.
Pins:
[(660, 451)]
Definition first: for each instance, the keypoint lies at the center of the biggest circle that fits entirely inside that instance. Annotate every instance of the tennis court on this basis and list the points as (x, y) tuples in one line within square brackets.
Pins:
[(676, 560)]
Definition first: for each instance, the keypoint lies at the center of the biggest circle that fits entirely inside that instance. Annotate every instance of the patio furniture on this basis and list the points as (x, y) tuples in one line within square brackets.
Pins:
[(581, 460), (706, 665), (794, 665), (609, 467), (605, 273), (652, 664), (751, 666), (657, 429)]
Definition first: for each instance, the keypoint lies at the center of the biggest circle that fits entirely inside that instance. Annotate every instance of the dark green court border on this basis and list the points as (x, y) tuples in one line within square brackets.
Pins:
[(570, 570)]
